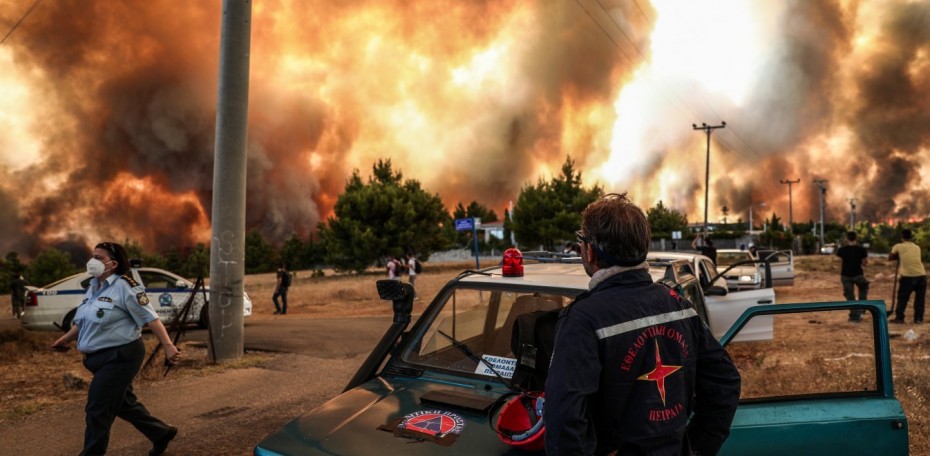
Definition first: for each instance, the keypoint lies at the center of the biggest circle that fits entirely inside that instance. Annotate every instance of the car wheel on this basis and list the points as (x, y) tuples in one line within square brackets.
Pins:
[(204, 321), (66, 322)]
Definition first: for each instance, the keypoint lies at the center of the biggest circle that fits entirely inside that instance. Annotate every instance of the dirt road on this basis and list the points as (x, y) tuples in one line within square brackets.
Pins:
[(224, 414)]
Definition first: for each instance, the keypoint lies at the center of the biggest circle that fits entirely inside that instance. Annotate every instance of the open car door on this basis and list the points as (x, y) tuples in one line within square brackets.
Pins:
[(822, 386), (782, 264)]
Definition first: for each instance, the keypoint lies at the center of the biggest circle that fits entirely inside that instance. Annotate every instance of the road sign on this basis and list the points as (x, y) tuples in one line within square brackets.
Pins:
[(465, 224)]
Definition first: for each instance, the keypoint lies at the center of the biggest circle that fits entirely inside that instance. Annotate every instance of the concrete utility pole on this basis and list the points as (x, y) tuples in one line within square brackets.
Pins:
[(227, 246), (707, 129), (790, 204), (852, 213), (821, 183)]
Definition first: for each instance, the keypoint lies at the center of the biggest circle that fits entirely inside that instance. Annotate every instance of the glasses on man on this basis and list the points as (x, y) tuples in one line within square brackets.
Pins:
[(582, 238)]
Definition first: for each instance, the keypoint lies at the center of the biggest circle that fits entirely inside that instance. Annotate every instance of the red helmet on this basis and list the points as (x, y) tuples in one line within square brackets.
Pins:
[(520, 422)]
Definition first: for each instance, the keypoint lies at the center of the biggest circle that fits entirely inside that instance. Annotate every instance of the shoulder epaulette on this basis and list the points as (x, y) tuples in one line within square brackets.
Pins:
[(128, 278)]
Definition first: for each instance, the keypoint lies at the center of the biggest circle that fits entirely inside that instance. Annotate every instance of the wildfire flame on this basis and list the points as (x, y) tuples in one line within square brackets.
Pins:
[(107, 109)]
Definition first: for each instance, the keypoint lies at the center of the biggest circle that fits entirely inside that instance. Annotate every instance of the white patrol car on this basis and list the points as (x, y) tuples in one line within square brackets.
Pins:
[(53, 306), (725, 306)]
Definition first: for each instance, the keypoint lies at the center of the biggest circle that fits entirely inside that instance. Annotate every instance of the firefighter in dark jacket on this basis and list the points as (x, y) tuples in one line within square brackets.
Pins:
[(632, 359)]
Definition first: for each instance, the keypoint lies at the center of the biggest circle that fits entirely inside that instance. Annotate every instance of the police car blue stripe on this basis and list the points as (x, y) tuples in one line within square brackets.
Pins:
[(52, 292), (646, 322)]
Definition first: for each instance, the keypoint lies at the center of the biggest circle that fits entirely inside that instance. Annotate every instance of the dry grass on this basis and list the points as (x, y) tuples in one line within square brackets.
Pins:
[(31, 375)]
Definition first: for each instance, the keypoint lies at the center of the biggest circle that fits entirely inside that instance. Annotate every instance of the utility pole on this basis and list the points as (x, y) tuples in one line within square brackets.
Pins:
[(821, 183), (790, 204), (852, 214), (707, 129), (227, 245)]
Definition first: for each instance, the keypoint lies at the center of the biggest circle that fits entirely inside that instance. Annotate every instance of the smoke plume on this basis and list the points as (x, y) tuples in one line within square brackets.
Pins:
[(108, 110)]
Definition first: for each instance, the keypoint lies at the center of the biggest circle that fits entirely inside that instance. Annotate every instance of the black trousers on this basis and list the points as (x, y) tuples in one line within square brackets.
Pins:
[(283, 294), (110, 396), (917, 285)]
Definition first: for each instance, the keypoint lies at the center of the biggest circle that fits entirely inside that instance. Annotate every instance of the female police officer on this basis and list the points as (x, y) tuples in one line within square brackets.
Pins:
[(107, 327)]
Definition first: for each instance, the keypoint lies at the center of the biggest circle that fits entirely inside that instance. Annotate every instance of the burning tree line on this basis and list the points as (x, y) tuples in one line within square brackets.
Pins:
[(390, 216)]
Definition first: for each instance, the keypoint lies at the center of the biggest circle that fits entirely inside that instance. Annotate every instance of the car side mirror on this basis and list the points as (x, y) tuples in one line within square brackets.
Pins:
[(180, 284), (715, 290), (401, 294)]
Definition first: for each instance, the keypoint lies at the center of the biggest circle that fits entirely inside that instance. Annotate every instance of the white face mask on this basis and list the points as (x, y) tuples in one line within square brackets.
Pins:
[(95, 267)]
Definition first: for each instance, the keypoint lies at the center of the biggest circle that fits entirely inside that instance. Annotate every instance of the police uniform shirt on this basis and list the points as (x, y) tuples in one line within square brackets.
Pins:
[(112, 315)]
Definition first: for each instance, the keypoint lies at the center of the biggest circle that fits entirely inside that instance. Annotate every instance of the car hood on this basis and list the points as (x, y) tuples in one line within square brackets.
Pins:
[(740, 270), (349, 424)]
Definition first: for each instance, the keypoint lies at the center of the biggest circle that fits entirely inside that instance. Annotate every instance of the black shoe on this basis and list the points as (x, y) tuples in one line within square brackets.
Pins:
[(897, 322), (277, 312), (918, 322), (160, 446)]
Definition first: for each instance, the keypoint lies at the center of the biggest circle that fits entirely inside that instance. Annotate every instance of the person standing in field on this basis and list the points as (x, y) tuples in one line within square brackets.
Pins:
[(412, 271), (706, 247), (18, 295), (854, 257), (393, 273), (913, 277), (280, 290)]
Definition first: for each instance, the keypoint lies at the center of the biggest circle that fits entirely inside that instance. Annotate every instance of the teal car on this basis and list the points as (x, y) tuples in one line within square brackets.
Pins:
[(434, 386)]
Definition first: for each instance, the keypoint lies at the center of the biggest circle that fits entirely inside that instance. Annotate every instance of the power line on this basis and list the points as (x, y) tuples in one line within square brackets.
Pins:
[(20, 21), (640, 8), (598, 24), (700, 95), (664, 86)]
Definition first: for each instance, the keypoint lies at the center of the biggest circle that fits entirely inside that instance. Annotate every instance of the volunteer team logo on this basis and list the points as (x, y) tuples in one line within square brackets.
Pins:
[(659, 373), (433, 422)]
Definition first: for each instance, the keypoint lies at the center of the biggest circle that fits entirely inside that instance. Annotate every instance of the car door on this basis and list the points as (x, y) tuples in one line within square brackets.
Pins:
[(823, 386), (167, 293), (723, 311), (782, 263)]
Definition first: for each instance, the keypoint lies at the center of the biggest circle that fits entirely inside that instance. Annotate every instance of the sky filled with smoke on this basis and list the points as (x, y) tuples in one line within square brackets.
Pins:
[(108, 108)]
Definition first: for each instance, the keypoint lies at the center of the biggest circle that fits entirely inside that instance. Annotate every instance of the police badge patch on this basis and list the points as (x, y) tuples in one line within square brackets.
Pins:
[(143, 299)]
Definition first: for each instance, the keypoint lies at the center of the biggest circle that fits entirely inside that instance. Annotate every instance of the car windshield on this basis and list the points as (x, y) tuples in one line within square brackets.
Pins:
[(482, 320), (728, 258)]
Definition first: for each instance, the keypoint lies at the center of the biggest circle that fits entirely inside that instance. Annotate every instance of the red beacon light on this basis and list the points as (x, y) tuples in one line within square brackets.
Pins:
[(512, 265)]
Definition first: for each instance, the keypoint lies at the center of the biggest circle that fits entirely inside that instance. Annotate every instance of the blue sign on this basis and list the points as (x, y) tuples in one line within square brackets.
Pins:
[(466, 224)]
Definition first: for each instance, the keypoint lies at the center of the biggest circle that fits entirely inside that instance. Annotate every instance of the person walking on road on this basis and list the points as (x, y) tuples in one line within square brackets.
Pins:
[(108, 328), (634, 370), (853, 257), (280, 290), (913, 277)]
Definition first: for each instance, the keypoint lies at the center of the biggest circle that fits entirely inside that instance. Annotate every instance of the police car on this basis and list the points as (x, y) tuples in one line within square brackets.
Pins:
[(441, 386), (53, 306)]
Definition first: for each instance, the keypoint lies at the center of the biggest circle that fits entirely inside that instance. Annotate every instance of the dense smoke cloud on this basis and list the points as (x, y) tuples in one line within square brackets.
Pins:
[(474, 99)]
